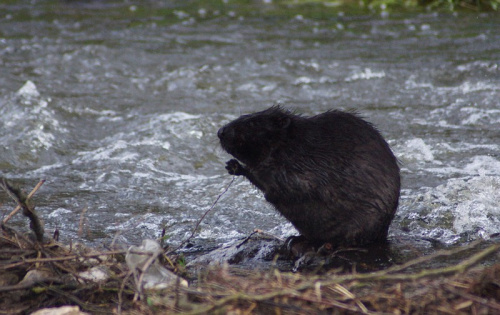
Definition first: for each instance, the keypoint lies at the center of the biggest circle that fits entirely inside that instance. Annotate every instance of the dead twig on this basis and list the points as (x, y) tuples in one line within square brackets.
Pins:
[(427, 258), (82, 221), (120, 292), (468, 296), (59, 258), (16, 237), (10, 215), (84, 305), (143, 269), (22, 201)]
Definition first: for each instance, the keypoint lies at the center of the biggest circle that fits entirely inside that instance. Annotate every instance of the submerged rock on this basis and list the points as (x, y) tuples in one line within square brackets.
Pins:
[(255, 249)]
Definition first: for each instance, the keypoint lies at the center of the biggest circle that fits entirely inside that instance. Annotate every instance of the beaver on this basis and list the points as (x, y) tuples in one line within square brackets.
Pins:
[(333, 176)]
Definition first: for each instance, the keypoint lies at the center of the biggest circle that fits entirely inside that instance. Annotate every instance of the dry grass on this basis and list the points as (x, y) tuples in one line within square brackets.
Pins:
[(465, 288)]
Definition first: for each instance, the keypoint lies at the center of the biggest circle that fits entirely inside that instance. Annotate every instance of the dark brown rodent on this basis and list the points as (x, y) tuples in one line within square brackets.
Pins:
[(332, 175)]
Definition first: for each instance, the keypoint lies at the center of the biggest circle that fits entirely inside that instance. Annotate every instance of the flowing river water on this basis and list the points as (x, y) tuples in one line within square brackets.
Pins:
[(117, 106)]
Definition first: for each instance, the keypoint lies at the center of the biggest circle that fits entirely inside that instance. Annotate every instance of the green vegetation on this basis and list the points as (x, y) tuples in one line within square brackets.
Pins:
[(452, 5), (186, 12), (325, 9), (309, 9)]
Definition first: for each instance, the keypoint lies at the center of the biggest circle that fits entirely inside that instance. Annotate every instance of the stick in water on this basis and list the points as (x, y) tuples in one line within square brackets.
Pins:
[(40, 183), (202, 217)]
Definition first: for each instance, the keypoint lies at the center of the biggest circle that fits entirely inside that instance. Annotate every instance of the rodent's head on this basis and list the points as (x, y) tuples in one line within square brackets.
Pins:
[(251, 138)]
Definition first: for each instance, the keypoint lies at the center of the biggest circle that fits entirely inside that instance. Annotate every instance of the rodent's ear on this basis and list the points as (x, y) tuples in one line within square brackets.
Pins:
[(283, 122)]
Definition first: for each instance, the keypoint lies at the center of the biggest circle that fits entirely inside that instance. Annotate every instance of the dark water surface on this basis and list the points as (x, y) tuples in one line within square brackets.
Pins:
[(117, 106)]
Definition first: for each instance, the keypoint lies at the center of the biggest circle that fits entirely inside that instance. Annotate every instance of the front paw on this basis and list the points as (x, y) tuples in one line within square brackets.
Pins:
[(234, 167)]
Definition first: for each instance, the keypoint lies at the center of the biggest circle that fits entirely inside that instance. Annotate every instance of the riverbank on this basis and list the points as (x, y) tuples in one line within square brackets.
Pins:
[(38, 274), (52, 275)]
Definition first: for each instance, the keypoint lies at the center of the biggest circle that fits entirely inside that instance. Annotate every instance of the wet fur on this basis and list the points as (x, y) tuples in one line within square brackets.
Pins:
[(332, 175)]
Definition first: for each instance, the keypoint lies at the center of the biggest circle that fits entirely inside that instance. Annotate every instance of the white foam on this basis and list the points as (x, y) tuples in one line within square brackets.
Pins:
[(249, 87), (177, 117), (110, 152), (313, 64), (478, 115), (46, 168), (489, 66), (180, 124), (483, 165), (479, 165), (41, 138), (469, 87), (366, 74), (58, 212), (415, 150), (28, 90), (468, 205), (410, 84), (29, 116), (219, 233), (465, 147), (302, 80), (155, 142), (284, 230), (478, 205)]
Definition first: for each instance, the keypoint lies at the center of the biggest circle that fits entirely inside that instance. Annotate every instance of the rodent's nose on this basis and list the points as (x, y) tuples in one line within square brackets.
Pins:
[(220, 133)]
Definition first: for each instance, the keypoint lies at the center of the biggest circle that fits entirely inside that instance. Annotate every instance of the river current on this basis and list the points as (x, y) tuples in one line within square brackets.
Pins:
[(117, 106)]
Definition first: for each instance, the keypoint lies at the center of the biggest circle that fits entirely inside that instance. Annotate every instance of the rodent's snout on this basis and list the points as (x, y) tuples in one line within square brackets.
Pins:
[(225, 133), (220, 133)]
